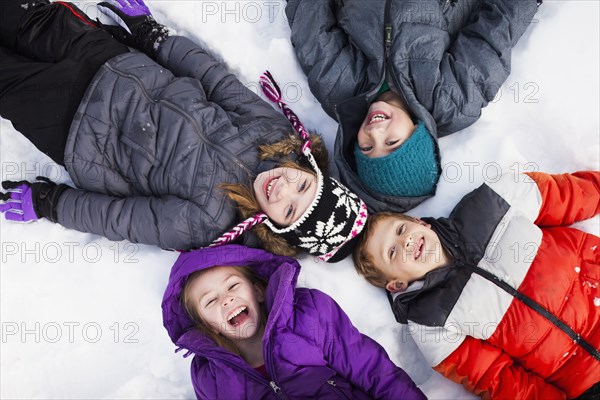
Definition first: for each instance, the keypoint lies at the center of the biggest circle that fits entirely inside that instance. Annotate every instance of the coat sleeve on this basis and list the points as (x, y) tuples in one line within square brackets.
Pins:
[(476, 64), (358, 358), (567, 198), (165, 221), (185, 58), (488, 372), (334, 66)]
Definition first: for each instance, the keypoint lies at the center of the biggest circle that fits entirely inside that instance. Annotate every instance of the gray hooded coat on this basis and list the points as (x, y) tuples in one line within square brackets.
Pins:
[(151, 142), (446, 58)]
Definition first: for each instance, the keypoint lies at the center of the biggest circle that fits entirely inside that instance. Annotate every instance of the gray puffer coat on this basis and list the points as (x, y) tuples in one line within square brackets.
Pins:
[(151, 142), (446, 58)]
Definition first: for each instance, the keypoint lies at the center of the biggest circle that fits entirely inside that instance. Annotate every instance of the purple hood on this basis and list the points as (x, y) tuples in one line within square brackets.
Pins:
[(280, 272)]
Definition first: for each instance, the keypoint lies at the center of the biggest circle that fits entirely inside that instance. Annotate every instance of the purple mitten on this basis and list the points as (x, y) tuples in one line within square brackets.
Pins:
[(19, 205), (119, 10)]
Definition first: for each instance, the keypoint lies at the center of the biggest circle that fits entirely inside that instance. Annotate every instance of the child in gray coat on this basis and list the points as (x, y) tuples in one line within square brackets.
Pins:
[(398, 75)]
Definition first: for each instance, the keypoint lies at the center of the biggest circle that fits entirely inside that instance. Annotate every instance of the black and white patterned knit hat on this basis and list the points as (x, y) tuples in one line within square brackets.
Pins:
[(330, 225)]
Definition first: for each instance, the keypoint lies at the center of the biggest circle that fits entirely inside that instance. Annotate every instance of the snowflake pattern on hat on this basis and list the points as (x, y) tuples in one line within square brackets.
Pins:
[(326, 235), (346, 198)]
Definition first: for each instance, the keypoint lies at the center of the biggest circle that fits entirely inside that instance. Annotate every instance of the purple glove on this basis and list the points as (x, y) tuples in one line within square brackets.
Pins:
[(138, 27), (29, 201), (19, 204), (119, 10)]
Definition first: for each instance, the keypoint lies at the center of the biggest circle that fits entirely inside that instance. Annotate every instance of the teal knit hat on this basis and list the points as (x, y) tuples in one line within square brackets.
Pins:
[(409, 171)]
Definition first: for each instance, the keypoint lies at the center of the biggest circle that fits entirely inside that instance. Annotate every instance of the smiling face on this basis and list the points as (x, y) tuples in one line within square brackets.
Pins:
[(285, 193), (228, 303), (404, 251), (386, 127)]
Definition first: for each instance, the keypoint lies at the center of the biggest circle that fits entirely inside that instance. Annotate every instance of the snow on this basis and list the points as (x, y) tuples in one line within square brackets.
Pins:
[(81, 315)]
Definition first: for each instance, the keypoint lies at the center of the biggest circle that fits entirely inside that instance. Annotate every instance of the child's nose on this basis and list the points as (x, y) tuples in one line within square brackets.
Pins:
[(228, 300), (278, 191), (286, 190), (374, 130)]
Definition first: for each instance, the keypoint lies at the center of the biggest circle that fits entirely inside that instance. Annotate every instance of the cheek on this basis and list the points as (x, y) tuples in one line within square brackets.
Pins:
[(256, 186), (210, 319), (360, 137), (263, 205), (270, 211)]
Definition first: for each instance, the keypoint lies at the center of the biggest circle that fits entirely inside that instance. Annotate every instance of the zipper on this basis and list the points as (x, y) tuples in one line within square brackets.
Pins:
[(388, 44), (185, 115), (537, 307), (388, 28), (337, 390), (271, 371)]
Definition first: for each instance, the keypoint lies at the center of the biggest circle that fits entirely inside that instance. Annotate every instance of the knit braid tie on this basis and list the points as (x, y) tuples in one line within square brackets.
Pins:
[(271, 89), (239, 229)]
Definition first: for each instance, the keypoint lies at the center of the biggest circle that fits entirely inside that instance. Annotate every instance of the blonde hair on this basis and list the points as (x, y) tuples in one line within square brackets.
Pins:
[(190, 308), (246, 202), (363, 261)]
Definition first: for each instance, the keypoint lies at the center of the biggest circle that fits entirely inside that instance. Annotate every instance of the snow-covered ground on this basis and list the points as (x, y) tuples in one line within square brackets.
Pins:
[(80, 315)]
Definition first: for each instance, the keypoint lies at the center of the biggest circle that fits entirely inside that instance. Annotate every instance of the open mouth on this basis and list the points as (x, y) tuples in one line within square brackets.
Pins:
[(419, 248), (238, 316), (376, 117), (268, 186)]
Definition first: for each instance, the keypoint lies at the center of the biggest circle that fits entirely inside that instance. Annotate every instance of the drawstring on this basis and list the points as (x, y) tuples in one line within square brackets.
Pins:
[(187, 353)]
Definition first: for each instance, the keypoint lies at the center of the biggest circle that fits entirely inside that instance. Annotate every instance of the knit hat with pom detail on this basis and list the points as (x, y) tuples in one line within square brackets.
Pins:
[(330, 226), (411, 170)]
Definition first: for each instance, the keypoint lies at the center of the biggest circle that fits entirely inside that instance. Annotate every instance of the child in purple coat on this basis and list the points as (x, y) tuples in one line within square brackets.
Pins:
[(255, 335)]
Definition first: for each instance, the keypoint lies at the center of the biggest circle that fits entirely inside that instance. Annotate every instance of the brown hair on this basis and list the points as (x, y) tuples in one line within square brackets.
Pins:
[(363, 261), (246, 202), (190, 309)]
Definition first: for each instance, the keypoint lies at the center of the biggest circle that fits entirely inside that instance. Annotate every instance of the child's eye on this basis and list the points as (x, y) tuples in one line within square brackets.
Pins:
[(209, 302), (392, 252), (366, 149), (234, 285), (391, 143), (302, 187), (288, 214), (400, 230)]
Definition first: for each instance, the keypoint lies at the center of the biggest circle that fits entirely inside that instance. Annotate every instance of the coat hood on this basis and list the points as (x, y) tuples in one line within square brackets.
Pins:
[(280, 272)]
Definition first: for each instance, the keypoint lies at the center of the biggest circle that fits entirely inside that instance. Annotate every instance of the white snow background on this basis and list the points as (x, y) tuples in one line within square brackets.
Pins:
[(81, 316)]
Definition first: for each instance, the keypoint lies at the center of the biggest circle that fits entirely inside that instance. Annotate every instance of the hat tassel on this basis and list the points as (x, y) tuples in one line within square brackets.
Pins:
[(239, 229)]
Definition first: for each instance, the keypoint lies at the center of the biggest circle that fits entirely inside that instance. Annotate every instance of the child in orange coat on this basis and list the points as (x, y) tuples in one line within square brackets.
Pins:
[(502, 296)]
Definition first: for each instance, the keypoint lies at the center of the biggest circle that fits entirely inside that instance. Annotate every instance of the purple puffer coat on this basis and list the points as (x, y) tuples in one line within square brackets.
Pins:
[(311, 349)]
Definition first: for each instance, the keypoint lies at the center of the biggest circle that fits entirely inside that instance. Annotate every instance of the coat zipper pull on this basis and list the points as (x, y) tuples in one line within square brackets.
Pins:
[(332, 383), (275, 388), (388, 39)]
